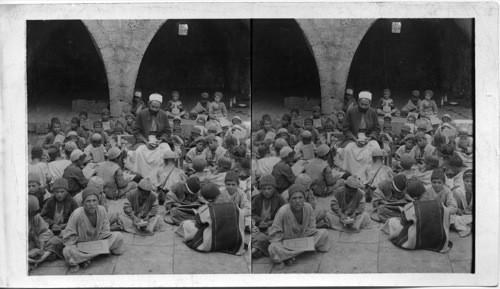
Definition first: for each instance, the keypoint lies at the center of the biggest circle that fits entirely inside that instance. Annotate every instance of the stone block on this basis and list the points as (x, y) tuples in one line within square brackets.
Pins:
[(461, 266), (365, 236), (56, 263), (462, 247), (49, 271), (350, 258), (158, 239)]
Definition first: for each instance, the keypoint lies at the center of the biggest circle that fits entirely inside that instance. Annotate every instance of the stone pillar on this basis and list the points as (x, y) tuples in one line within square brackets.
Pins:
[(334, 42), (122, 44)]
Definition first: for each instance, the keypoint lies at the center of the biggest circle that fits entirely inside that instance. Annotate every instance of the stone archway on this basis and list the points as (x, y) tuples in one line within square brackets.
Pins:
[(122, 44)]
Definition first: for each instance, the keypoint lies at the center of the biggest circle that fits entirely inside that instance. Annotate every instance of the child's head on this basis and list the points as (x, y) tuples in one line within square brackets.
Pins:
[(431, 162), (446, 118), (54, 153), (200, 143), (409, 141), (96, 140), (406, 162), (199, 163), (316, 112), (387, 118), (349, 93), (411, 119), (105, 115), (328, 127), (83, 115), (175, 96), (232, 181), (236, 120), (286, 120), (415, 95), (308, 124), (420, 139), (72, 136), (204, 97), (463, 133), (55, 125), (294, 112), (341, 115), (306, 137), (283, 133), (177, 121), (224, 164), (405, 130), (212, 130), (75, 123), (267, 186), (118, 128), (97, 125), (387, 93), (428, 94), (130, 119), (387, 128), (263, 150), (36, 152), (195, 132), (453, 166), (377, 155), (217, 96), (212, 142), (177, 130), (33, 206), (468, 180), (137, 95), (422, 127), (200, 121), (438, 179), (33, 183)]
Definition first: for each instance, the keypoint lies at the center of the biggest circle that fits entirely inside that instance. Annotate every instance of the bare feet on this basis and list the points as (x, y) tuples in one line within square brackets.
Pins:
[(290, 261), (85, 264)]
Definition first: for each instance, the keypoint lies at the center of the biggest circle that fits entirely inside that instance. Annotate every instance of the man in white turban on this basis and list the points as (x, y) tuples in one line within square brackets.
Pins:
[(361, 129), (152, 132)]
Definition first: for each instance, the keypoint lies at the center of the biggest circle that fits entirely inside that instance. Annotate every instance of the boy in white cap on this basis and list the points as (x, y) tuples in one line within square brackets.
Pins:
[(137, 103), (217, 110), (323, 182), (115, 185), (348, 208), (96, 149), (304, 149), (349, 100)]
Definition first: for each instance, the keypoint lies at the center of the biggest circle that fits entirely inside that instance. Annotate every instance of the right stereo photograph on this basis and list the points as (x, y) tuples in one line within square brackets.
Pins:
[(362, 145)]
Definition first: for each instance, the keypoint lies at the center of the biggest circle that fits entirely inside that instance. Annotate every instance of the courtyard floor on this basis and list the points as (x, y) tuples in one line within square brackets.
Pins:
[(370, 251), (162, 253)]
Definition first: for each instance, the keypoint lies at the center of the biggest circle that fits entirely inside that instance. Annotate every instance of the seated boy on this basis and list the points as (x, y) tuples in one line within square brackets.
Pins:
[(174, 107), (386, 104)]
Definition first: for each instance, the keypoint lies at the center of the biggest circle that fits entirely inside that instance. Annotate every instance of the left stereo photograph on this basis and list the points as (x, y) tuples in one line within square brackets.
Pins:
[(138, 146)]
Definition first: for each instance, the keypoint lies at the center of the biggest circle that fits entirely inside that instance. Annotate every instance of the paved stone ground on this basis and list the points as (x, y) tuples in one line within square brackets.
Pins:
[(162, 253), (370, 251)]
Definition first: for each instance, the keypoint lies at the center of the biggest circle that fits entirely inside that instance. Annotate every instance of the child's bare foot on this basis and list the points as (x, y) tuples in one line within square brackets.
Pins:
[(290, 261), (279, 266), (85, 264)]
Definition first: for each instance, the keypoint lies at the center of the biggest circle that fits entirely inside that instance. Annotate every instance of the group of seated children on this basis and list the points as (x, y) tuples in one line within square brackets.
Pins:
[(427, 165), (203, 182)]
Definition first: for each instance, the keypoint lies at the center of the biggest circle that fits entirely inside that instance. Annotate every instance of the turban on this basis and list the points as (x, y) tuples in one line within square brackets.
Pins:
[(349, 91), (365, 94), (113, 153), (170, 155), (210, 191), (156, 97), (232, 177), (193, 185), (146, 184), (296, 188), (199, 163), (72, 133), (70, 146), (138, 93), (33, 204), (204, 95), (306, 134), (353, 182), (60, 183), (304, 180), (90, 191), (282, 130), (96, 137), (285, 151), (76, 155), (280, 143), (236, 117), (322, 150), (33, 178), (268, 180), (467, 173), (438, 174), (225, 163)]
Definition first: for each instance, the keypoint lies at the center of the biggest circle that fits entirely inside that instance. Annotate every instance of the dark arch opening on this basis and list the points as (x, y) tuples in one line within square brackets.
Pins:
[(283, 63), (213, 56), (431, 54), (63, 64)]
